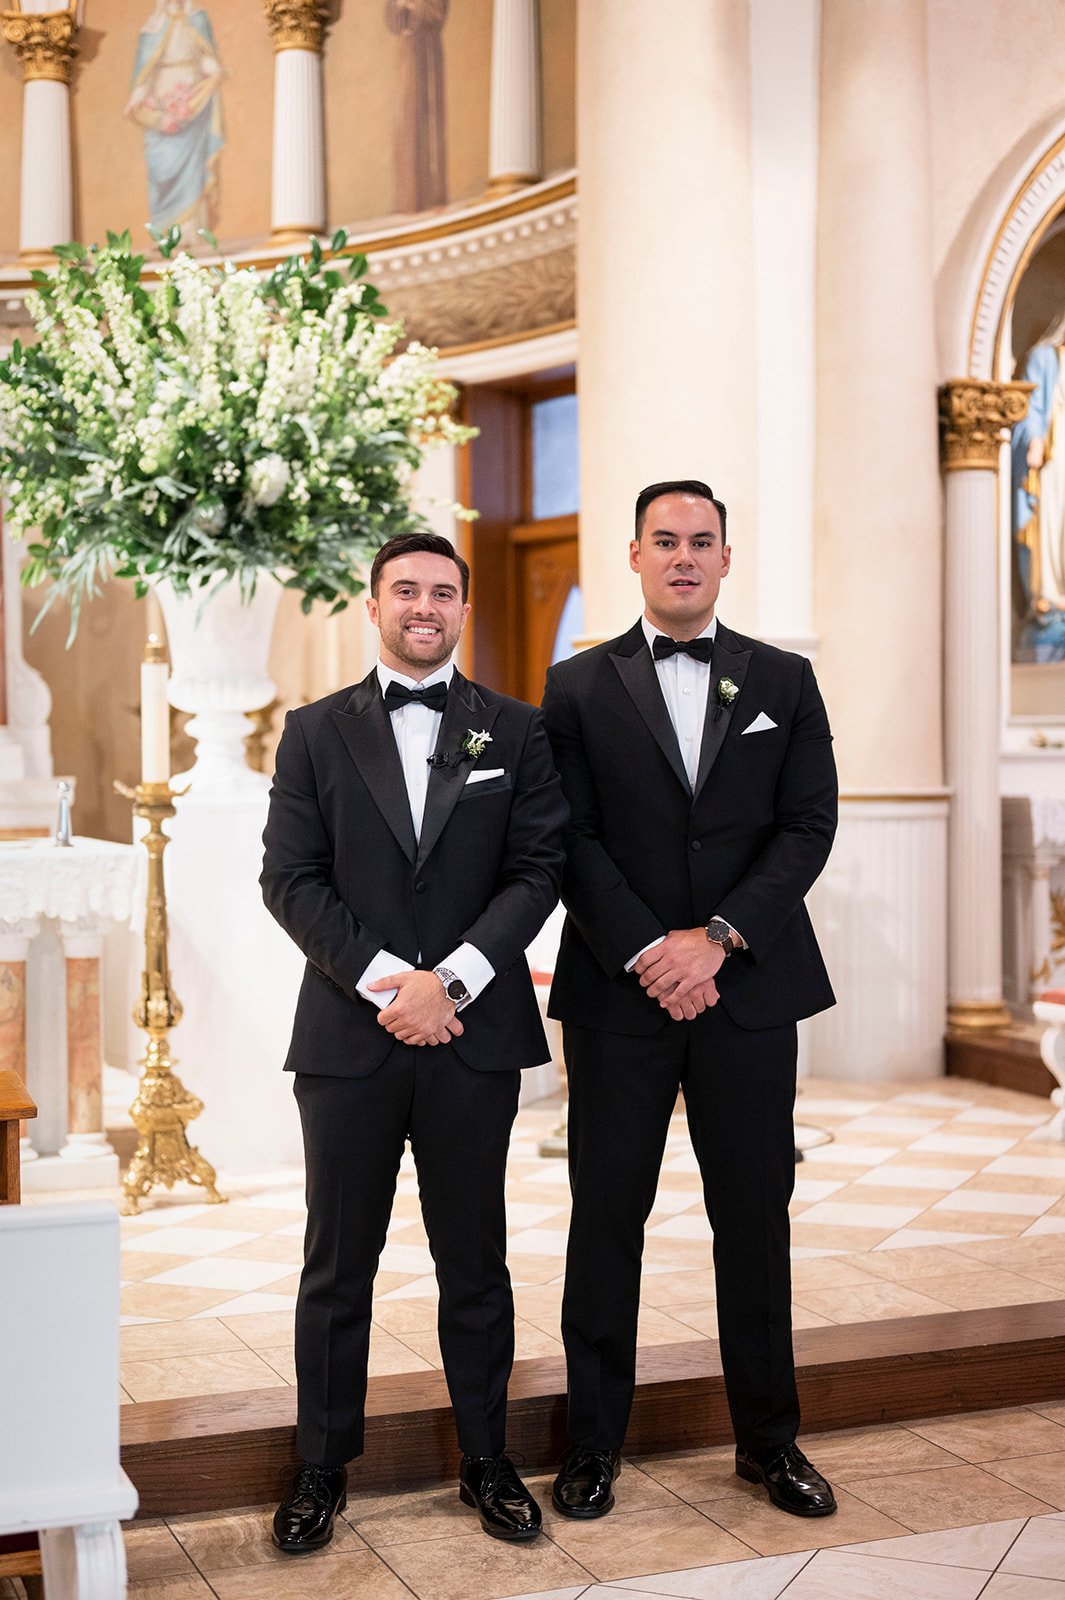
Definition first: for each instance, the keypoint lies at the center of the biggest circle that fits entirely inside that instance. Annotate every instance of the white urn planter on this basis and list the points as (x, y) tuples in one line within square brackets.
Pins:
[(219, 648)]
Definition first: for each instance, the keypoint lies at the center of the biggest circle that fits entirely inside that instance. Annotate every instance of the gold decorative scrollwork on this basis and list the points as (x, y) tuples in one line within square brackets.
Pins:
[(296, 24), (974, 417), (45, 43)]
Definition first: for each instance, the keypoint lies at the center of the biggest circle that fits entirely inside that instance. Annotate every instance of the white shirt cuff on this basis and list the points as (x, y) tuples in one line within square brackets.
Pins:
[(383, 965), (630, 964), (735, 932), (475, 970)]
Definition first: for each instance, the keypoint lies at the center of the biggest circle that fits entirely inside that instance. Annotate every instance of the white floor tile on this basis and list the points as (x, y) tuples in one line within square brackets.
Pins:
[(406, 1258), (832, 1214), (963, 1144), (982, 1546), (675, 1201), (1040, 1549), (893, 1176), (852, 1155), (911, 1126), (294, 1199), (418, 1289), (246, 1305), (843, 1575), (1045, 1225), (924, 1097), (910, 1238), (762, 1579), (190, 1241), (520, 1214), (811, 1189), (1016, 1165), (991, 1115), (539, 1242), (167, 1214), (995, 1200), (223, 1272), (809, 1252), (693, 1227), (807, 1106)]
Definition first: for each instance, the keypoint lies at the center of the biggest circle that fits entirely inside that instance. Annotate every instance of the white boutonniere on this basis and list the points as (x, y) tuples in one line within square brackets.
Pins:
[(727, 691), (475, 744)]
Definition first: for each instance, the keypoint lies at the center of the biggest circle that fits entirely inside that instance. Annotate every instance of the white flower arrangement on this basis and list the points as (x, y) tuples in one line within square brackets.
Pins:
[(727, 691), (475, 744), (222, 424)]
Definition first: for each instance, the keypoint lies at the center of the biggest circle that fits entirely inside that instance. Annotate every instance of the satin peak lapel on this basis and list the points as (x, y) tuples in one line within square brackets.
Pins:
[(727, 662), (465, 712), (637, 673), (367, 731)]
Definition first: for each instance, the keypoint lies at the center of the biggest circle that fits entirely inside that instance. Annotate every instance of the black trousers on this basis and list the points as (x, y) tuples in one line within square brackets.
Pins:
[(739, 1091), (458, 1122)]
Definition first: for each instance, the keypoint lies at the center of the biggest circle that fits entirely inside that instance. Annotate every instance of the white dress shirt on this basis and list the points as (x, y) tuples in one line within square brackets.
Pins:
[(416, 729), (685, 685)]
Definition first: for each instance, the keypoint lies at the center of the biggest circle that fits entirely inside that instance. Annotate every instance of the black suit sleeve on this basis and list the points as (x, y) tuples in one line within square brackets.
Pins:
[(297, 877), (805, 804), (613, 920), (528, 879)]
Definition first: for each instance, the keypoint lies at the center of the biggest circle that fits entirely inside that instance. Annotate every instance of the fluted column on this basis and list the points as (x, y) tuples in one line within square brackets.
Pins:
[(664, 281), (514, 156), (298, 198), (45, 39), (974, 420)]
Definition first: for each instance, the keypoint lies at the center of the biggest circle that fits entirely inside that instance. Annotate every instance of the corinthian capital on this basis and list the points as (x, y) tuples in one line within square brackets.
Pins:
[(296, 24), (974, 418), (45, 43)]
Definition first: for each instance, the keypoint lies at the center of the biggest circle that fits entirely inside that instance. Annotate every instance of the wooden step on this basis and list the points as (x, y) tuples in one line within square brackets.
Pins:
[(223, 1451), (1007, 1057)]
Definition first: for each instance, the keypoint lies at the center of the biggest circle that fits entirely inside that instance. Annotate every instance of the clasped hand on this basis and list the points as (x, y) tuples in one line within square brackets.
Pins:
[(421, 1013), (679, 973)]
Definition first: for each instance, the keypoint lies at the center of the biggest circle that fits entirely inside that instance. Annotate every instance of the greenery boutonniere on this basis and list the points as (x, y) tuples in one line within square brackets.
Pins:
[(727, 691), (475, 744)]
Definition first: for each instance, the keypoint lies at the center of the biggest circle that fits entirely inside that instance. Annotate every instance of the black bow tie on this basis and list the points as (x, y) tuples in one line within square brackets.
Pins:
[(435, 697), (664, 648)]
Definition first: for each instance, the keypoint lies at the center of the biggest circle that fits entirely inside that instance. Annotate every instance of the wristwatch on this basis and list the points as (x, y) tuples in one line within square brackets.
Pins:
[(719, 932), (454, 987)]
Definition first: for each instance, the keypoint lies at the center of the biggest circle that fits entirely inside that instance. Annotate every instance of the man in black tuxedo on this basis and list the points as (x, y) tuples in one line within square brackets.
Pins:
[(413, 851), (698, 768)]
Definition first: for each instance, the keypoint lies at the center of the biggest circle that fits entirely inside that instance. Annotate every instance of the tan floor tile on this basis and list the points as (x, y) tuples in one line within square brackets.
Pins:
[(217, 1541), (152, 1551), (250, 1219), (700, 1318), (1039, 1551), (189, 1586), (635, 1490), (400, 1317), (877, 1301), (262, 1330), (389, 1354), (639, 1542), (846, 1575), (356, 1575), (854, 1453), (532, 1343), (658, 1327), (826, 1236), (1007, 1586), (1019, 1255), (978, 1436), (1043, 1476), (1005, 1224), (171, 1302), (686, 1255), (870, 1194), (945, 1497), (385, 1282), (383, 1520), (423, 1347), (1013, 1183), (137, 1264), (802, 1318), (473, 1567), (911, 1265), (545, 1300), (973, 1291), (282, 1360), (663, 1289), (771, 1532), (1054, 1410), (155, 1341), (178, 1376), (271, 1247), (290, 1285), (697, 1476), (536, 1269), (830, 1272)]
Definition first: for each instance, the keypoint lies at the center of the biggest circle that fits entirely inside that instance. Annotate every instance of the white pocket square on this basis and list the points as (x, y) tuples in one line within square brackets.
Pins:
[(486, 772), (761, 724)]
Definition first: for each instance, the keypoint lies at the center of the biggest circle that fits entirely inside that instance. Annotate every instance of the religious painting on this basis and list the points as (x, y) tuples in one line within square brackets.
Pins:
[(175, 97), (420, 138)]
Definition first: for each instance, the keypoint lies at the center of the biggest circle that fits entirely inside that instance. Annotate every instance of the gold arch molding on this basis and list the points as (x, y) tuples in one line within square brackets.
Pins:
[(1035, 205)]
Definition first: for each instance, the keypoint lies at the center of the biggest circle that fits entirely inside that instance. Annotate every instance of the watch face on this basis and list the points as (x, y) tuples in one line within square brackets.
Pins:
[(456, 989)]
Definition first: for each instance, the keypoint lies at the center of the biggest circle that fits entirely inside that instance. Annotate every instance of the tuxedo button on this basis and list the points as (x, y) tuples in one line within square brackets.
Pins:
[(696, 844), (419, 888)]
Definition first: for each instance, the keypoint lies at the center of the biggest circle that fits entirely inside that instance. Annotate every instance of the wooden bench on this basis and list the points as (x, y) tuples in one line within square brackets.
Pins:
[(15, 1107)]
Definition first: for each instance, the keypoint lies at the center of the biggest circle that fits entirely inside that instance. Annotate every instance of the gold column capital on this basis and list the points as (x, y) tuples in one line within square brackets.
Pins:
[(974, 417), (45, 42), (296, 24)]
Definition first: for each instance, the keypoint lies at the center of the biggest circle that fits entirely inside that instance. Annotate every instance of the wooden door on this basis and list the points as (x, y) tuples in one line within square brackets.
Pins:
[(544, 567)]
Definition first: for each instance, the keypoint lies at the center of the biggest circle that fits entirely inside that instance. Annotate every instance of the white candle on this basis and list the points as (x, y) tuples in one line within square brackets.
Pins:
[(155, 714)]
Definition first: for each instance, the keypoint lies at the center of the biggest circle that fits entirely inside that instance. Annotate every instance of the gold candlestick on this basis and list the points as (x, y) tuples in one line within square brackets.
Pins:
[(163, 1105)]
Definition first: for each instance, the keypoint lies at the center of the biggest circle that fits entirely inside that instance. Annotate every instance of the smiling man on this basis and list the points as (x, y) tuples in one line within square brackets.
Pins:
[(413, 851), (698, 768)]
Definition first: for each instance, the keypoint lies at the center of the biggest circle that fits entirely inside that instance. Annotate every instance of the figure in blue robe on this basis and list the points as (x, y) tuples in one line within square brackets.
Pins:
[(176, 98), (1038, 505)]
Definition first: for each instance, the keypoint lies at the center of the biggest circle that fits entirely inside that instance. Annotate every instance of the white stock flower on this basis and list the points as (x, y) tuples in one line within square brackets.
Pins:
[(268, 478)]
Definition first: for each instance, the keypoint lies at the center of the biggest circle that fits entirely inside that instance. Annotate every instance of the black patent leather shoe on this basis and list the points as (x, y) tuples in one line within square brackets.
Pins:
[(507, 1509), (792, 1483), (584, 1486), (304, 1519)]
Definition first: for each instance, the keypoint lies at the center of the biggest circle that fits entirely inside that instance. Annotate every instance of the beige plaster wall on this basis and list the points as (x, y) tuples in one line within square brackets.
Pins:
[(558, 57), (995, 70), (10, 148)]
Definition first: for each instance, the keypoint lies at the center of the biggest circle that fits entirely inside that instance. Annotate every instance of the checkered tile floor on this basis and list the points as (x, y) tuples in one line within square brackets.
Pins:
[(910, 1200)]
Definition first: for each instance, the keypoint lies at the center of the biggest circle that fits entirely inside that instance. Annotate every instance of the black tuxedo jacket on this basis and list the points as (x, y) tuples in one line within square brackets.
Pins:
[(345, 878), (645, 854)]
